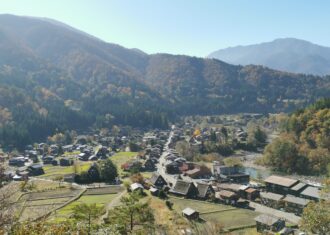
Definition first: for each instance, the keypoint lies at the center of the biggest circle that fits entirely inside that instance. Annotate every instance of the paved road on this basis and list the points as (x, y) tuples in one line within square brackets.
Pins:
[(280, 214)]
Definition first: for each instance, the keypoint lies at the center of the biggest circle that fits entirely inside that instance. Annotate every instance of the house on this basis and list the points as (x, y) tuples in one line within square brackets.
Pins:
[(184, 188), (157, 180), (48, 159), (190, 214), (198, 172), (229, 173), (236, 188), (66, 162), (251, 193), (268, 223), (298, 188), (278, 184), (154, 191), (205, 191), (311, 193), (295, 204), (172, 168), (273, 200), (67, 148), (136, 187), (17, 161), (35, 170), (227, 196)]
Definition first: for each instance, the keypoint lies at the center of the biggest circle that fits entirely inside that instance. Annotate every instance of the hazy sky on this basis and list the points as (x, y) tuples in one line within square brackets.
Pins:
[(192, 27)]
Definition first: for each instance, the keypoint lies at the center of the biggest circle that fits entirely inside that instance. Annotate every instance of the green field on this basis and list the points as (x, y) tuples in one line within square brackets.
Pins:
[(120, 158), (100, 200), (228, 216), (232, 218), (200, 206), (53, 171)]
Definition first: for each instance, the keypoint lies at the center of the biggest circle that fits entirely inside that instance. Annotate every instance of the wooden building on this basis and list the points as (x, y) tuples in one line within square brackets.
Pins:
[(280, 185), (267, 223), (190, 214)]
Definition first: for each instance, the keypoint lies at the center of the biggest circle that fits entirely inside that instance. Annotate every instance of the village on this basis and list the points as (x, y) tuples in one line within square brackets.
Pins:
[(199, 192)]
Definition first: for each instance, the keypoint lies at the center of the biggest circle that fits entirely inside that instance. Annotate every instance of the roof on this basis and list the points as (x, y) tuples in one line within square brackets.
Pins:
[(298, 187), (296, 200), (136, 186), (202, 189), (181, 187), (232, 187), (153, 190), (267, 219), (271, 196), (250, 190), (154, 178), (282, 181), (224, 193), (188, 211), (311, 192)]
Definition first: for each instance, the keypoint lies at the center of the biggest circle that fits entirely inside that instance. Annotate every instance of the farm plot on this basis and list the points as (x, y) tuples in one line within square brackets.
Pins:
[(38, 204), (104, 190), (60, 193), (53, 171), (228, 216), (200, 206), (232, 219), (66, 212)]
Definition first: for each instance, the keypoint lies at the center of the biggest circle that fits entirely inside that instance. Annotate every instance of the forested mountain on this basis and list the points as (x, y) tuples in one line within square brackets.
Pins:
[(286, 54), (304, 145), (54, 77)]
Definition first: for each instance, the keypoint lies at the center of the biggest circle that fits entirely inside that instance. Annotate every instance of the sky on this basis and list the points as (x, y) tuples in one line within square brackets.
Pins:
[(190, 27)]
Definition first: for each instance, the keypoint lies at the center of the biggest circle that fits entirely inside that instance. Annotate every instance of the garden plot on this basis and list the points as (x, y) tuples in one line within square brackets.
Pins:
[(53, 194), (104, 190)]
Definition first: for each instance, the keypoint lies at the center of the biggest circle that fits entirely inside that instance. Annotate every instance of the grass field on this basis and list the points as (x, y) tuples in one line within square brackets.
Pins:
[(53, 171), (65, 212), (180, 204), (120, 158), (227, 216), (232, 218)]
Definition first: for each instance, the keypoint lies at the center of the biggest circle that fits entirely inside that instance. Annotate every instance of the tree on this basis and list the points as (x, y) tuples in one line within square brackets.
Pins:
[(316, 216), (233, 161), (87, 213), (7, 208), (132, 213), (137, 178), (108, 170)]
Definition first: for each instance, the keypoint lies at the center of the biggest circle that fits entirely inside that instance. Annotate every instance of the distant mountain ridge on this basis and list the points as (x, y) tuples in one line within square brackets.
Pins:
[(54, 78), (285, 54)]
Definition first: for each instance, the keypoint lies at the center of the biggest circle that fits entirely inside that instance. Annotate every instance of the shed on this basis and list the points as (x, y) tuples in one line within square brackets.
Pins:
[(136, 186), (269, 223), (190, 214)]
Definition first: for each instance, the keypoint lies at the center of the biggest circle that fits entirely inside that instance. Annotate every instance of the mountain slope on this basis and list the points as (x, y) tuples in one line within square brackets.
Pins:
[(288, 54), (55, 78)]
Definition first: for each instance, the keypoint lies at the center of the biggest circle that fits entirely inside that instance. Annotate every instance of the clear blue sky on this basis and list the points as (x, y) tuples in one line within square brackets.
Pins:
[(192, 27)]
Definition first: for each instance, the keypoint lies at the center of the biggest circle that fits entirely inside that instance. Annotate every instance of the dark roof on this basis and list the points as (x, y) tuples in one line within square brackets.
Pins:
[(224, 193), (311, 192), (182, 187), (298, 187), (271, 196), (282, 181), (155, 177), (296, 200), (230, 187), (267, 219), (36, 166), (202, 189)]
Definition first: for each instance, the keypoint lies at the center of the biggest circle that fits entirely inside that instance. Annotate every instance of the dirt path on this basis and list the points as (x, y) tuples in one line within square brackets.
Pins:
[(112, 204)]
